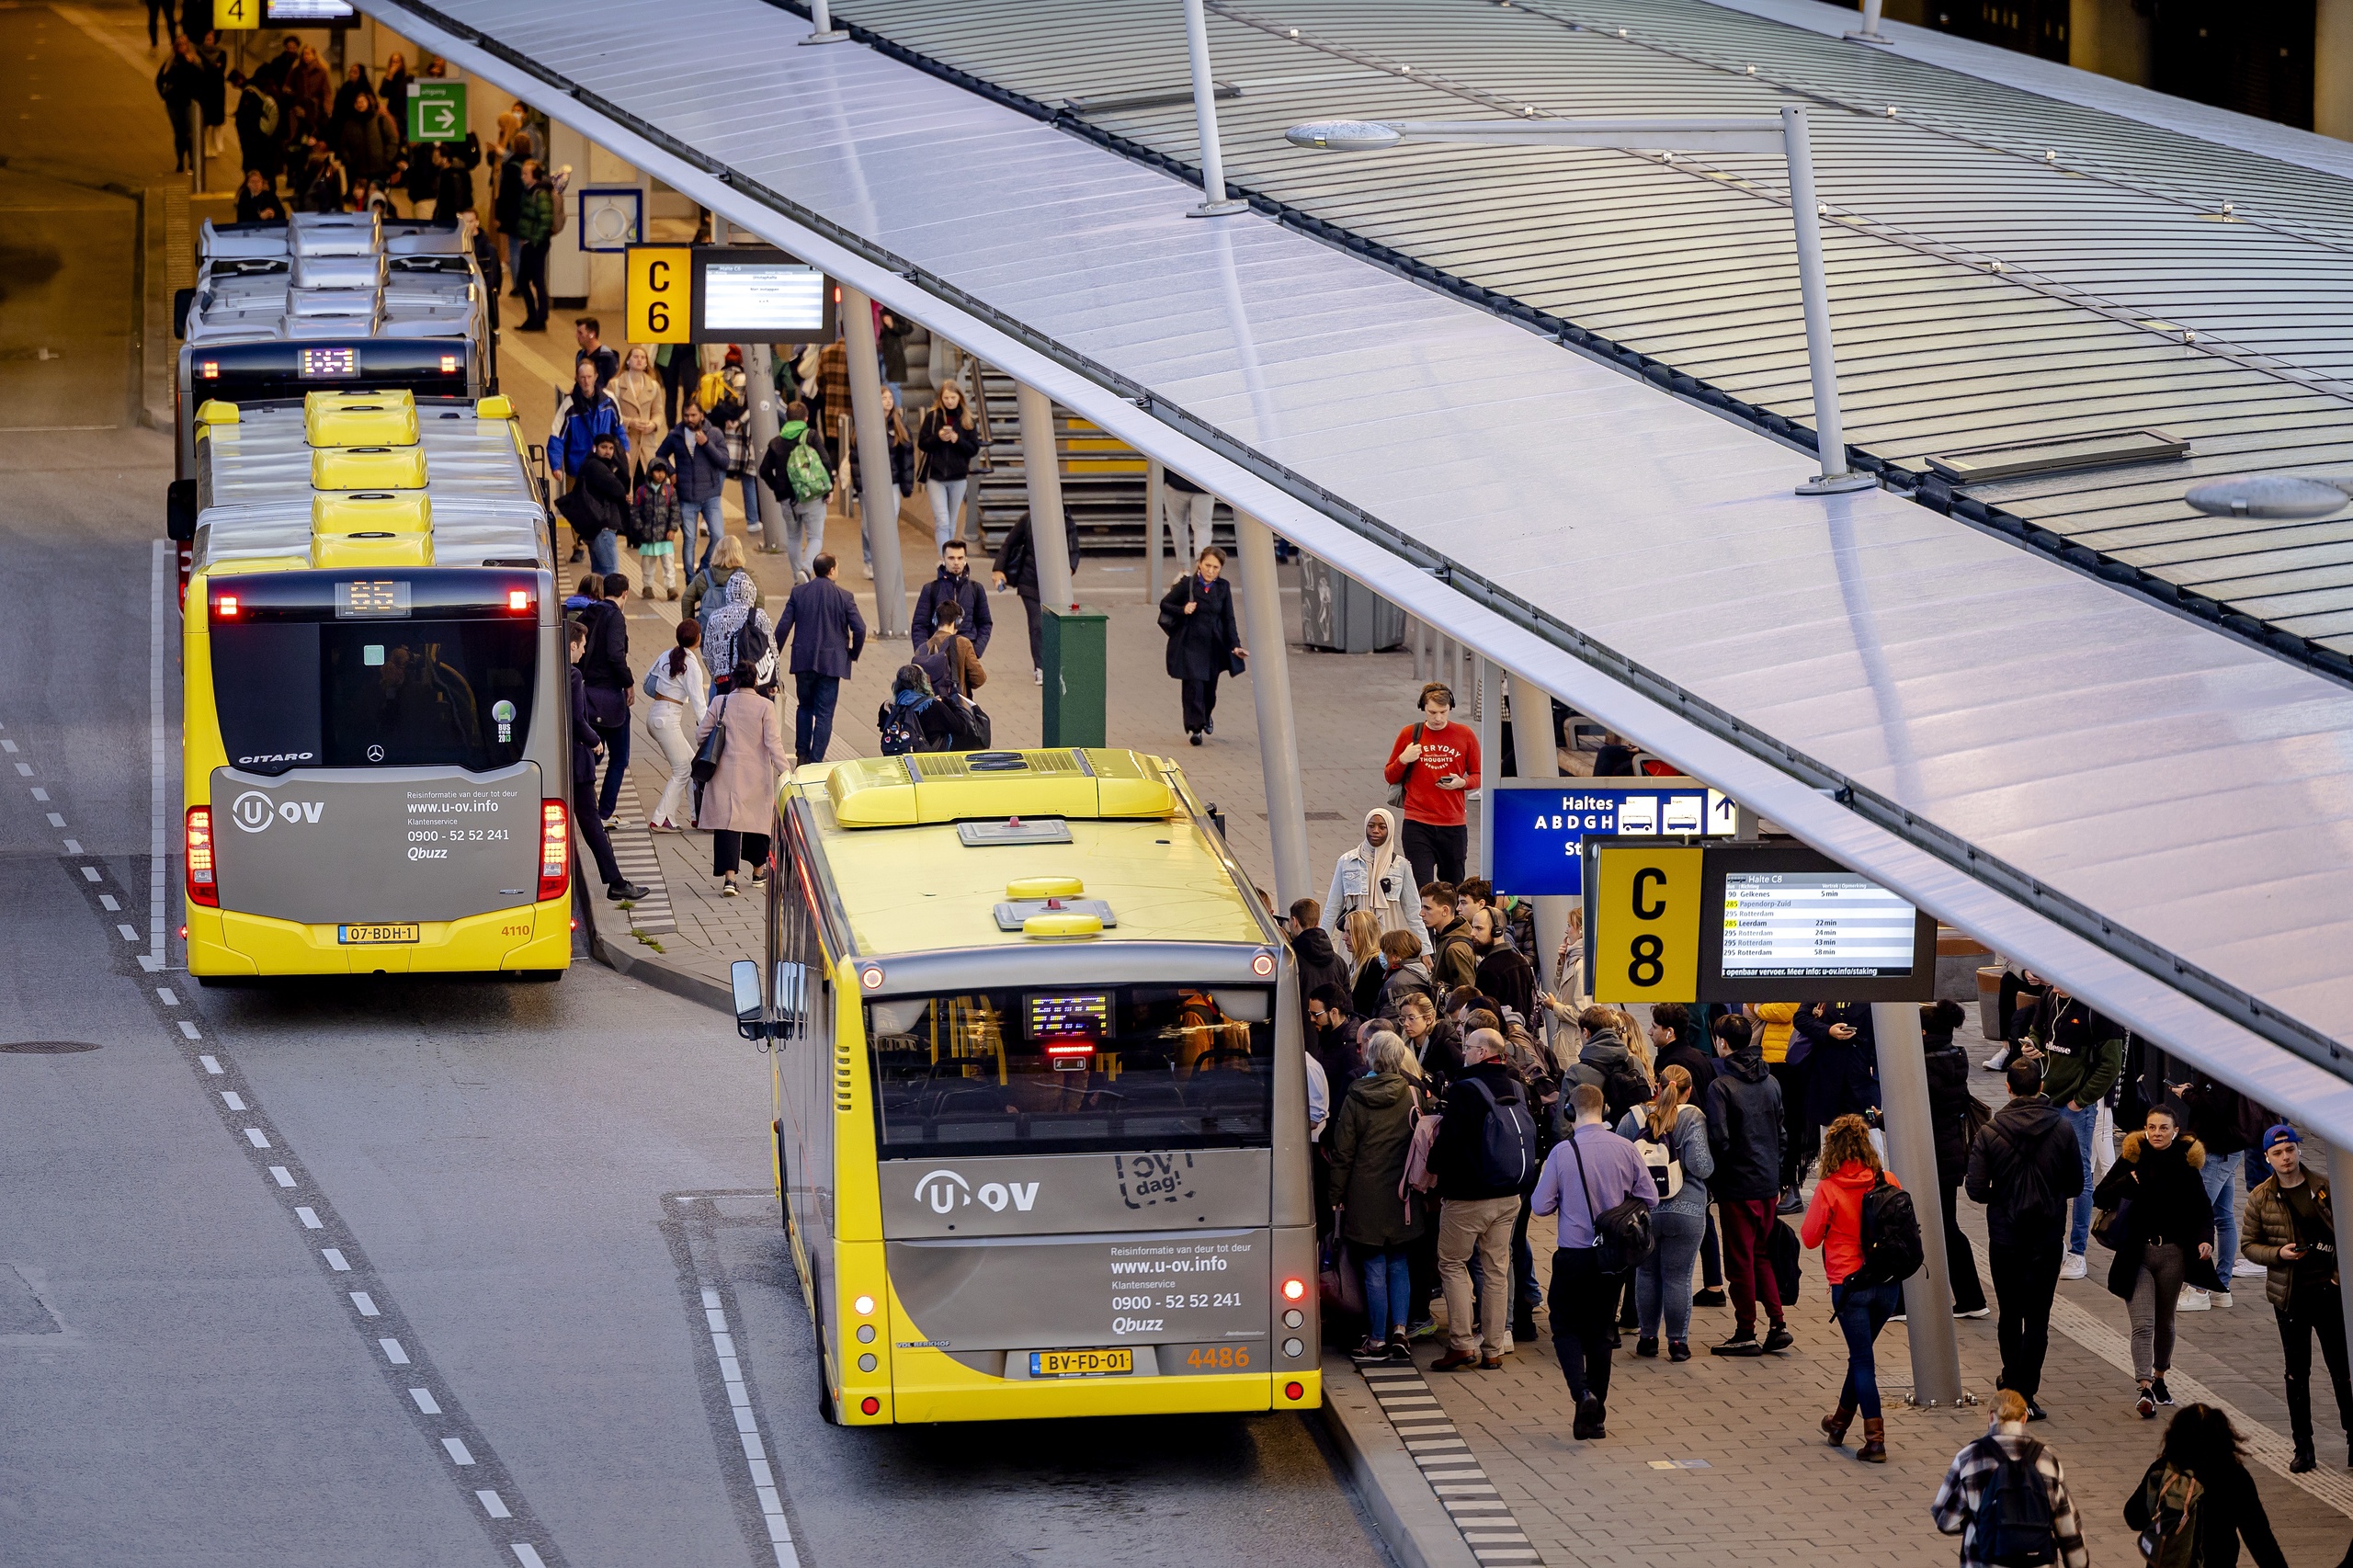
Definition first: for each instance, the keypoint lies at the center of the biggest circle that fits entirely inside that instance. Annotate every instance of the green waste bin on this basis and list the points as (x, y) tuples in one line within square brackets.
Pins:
[(1076, 678)]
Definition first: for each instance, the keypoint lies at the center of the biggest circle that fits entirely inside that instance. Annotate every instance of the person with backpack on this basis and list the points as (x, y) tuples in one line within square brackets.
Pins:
[(1588, 1183), (707, 589), (738, 805), (1605, 1061), (2162, 1231), (794, 469), (1837, 1221), (2024, 1167), (1204, 640), (1373, 875), (739, 635), (1432, 766), (948, 657), (1743, 1104), (828, 634), (1379, 1216), (2082, 1054), (2289, 1227), (1671, 1135), (914, 720), (2197, 1501), (2005, 1495), (1485, 1157), (1955, 1115)]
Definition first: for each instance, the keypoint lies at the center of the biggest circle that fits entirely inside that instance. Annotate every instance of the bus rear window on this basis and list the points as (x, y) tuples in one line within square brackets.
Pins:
[(1075, 1070), (373, 694)]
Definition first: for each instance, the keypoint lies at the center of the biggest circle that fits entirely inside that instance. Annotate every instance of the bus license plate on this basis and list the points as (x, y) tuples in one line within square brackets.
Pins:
[(375, 935), (1080, 1363)]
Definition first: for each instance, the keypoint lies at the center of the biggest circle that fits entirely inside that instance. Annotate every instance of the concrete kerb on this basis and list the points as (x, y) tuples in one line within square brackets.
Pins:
[(647, 969), (1412, 1522)]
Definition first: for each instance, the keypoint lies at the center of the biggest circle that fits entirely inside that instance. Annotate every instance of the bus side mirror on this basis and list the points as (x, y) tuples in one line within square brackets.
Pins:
[(179, 510), (745, 973), (181, 300)]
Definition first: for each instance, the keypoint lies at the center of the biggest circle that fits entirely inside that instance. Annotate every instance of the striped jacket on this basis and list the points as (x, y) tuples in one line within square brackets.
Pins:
[(1973, 1469)]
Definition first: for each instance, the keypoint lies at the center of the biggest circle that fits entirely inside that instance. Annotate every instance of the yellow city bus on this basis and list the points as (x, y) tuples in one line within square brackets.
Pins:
[(375, 715), (1041, 1101)]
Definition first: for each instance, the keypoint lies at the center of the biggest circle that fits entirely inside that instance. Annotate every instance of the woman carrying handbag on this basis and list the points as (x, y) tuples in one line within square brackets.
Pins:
[(1196, 614), (739, 752)]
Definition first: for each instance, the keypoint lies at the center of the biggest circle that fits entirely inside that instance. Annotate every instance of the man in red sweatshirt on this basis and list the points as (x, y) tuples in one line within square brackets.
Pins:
[(1435, 760)]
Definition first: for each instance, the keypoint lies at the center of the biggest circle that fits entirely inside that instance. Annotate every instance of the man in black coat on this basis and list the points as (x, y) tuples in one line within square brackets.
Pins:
[(952, 583), (1312, 957), (1017, 568), (1743, 1104), (1204, 643), (2026, 1168), (1953, 1113), (585, 747), (612, 690)]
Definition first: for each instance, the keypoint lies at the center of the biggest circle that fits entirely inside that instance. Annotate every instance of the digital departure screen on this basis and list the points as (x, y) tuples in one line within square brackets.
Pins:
[(371, 601), (1067, 1020), (764, 297), (330, 364), (1809, 925)]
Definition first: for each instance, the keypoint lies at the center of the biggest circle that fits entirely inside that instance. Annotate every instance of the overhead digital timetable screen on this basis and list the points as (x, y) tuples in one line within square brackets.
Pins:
[(1784, 924), (742, 294)]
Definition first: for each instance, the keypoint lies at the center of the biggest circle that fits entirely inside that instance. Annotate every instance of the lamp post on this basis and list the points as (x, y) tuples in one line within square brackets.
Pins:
[(1214, 203), (1725, 133), (821, 14)]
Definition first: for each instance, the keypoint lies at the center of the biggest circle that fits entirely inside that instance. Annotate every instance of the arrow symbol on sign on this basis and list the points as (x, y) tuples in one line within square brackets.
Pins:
[(439, 120)]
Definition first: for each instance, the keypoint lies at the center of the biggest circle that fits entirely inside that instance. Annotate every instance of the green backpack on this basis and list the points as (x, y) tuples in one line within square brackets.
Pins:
[(804, 470), (2171, 1540)]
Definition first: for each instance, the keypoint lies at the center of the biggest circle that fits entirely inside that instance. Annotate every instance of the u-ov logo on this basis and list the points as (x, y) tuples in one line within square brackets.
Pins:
[(254, 811), (943, 1191)]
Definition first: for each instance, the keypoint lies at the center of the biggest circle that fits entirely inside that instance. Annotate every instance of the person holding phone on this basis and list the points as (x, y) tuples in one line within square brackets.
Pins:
[(1433, 764), (2288, 1227)]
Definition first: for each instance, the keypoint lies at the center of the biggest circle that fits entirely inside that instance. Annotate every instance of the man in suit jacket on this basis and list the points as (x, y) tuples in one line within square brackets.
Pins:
[(827, 634)]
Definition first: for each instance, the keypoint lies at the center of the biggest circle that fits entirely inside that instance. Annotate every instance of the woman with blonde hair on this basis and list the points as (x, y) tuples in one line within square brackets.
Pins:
[(1976, 1470), (1833, 1222), (1365, 973), (638, 391), (1671, 1134), (1379, 1216)]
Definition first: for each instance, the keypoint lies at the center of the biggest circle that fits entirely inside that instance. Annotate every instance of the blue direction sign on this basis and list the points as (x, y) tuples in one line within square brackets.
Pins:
[(1540, 823)]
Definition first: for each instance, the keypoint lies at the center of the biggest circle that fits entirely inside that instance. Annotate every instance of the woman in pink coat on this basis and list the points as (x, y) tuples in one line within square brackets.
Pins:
[(739, 803)]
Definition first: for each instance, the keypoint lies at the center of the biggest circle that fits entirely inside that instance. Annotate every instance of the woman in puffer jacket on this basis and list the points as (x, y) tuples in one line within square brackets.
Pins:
[(2163, 1236)]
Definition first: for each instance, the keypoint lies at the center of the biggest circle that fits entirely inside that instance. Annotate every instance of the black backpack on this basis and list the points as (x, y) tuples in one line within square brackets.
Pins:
[(1507, 1140), (901, 730), (1892, 1252), (2014, 1528), (752, 645)]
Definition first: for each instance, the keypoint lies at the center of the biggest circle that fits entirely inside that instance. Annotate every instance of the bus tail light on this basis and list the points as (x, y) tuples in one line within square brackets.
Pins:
[(555, 850), (1294, 1289), (225, 606), (519, 600), (871, 1405), (202, 888), (1294, 1391)]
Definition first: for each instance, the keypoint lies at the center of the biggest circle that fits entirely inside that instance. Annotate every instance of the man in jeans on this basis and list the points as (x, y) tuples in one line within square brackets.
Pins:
[(2025, 1168), (697, 455), (1589, 1172), (1476, 1212), (2082, 1054), (1742, 1103), (827, 634)]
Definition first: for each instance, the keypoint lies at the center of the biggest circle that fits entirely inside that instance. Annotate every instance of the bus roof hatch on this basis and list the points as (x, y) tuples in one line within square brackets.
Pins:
[(943, 786)]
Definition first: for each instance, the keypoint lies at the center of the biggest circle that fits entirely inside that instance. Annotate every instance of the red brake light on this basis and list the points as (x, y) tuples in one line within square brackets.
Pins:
[(519, 598), (1294, 1289), (202, 888), (1293, 1391), (555, 850), (871, 1405), (211, 370), (225, 606), (448, 364)]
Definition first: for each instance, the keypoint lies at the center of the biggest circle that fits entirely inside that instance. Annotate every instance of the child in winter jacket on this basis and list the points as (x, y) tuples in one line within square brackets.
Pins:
[(653, 528)]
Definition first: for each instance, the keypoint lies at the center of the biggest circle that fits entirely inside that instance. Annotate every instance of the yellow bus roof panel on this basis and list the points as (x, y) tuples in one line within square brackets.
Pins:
[(368, 468), (939, 786), (379, 511), (359, 419)]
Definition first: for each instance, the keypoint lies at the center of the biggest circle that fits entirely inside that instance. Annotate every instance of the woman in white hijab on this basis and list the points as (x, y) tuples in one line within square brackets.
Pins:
[(1375, 875)]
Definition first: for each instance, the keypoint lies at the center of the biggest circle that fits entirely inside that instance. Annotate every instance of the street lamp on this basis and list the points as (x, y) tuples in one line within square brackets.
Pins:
[(1215, 203), (2271, 495), (1725, 134)]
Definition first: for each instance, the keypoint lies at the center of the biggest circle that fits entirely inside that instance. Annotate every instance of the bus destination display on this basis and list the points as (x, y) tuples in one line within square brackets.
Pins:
[(1081, 1019), (1801, 925), (371, 601), (329, 364)]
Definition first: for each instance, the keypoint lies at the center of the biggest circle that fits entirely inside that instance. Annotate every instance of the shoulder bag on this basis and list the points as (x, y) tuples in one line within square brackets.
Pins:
[(1623, 1238), (1397, 790), (714, 746)]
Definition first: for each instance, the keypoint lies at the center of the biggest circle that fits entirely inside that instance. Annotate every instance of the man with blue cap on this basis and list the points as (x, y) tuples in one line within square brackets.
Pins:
[(2288, 1227)]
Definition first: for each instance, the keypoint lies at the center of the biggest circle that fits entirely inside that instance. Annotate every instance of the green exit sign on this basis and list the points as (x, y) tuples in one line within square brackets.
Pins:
[(436, 111)]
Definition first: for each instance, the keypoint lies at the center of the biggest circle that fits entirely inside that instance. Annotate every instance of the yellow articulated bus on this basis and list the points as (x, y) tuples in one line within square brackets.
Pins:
[(1041, 1101), (375, 716)]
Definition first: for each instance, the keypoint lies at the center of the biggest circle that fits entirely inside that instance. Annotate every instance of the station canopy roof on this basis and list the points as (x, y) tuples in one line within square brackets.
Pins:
[(2152, 806)]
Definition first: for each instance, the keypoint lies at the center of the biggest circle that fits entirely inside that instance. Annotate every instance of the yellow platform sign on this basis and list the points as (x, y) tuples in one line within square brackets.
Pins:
[(1646, 923), (661, 294)]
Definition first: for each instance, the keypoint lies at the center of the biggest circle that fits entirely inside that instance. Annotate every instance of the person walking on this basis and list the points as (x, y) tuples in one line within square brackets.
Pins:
[(1479, 1199), (2217, 1115), (2082, 1054), (828, 634), (1373, 876), (2199, 1487), (1379, 1216), (793, 467), (707, 591), (179, 81), (1743, 1104), (653, 528), (1833, 1222), (914, 720), (1588, 1173), (945, 445), (948, 657), (535, 233), (213, 89), (1976, 1477), (697, 455), (2162, 1233), (366, 141), (2289, 1226), (739, 799), (2025, 1168), (952, 583), (1192, 512), (1204, 641), (1432, 764), (739, 634), (612, 690), (1671, 1134), (637, 392), (1017, 569), (681, 688), (258, 119), (1955, 1115), (585, 749), (597, 506)]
